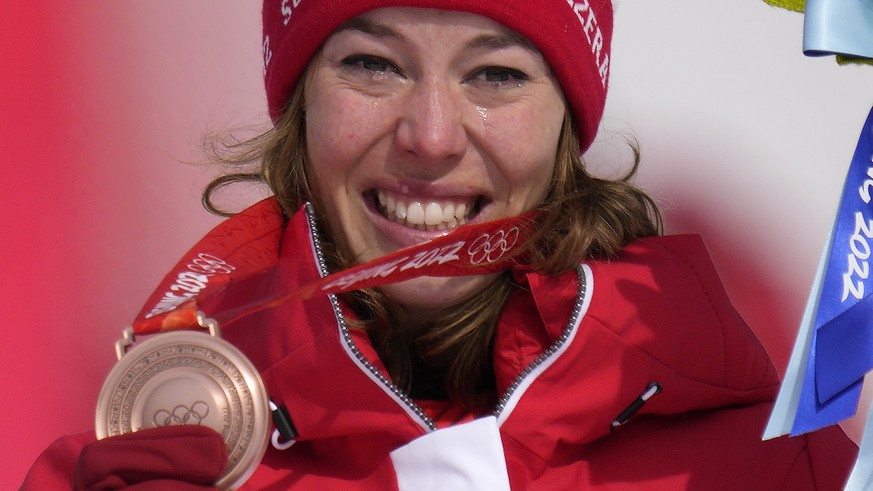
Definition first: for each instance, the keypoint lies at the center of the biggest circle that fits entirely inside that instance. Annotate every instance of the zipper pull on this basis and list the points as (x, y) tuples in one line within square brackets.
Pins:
[(285, 434), (623, 417)]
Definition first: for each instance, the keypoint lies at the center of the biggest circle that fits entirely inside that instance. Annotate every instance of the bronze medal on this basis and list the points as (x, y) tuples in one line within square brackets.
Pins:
[(189, 377)]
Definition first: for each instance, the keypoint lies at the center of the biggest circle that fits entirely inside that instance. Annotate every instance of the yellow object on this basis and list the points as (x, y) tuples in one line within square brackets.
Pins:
[(853, 60), (795, 5)]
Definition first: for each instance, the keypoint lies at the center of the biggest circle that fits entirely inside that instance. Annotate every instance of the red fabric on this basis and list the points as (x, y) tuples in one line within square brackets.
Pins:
[(574, 38), (180, 458), (55, 467), (708, 450), (658, 313), (170, 457)]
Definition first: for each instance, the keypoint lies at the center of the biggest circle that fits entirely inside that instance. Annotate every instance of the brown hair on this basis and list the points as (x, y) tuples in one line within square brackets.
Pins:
[(583, 217)]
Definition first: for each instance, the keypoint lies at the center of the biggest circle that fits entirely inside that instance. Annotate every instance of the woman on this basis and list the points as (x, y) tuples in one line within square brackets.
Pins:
[(603, 357)]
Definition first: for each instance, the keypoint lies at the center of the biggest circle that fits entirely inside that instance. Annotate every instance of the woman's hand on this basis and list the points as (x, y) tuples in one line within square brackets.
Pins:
[(167, 458)]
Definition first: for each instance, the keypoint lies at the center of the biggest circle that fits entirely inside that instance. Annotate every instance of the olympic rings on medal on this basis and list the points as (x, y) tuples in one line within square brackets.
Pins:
[(491, 248), (182, 415)]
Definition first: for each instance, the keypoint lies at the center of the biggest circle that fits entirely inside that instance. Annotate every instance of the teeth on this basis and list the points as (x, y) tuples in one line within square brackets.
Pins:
[(400, 213), (415, 213), (448, 212), (433, 215), (420, 216)]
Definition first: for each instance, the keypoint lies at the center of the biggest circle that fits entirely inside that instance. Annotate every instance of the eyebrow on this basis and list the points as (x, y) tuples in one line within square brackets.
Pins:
[(500, 40)]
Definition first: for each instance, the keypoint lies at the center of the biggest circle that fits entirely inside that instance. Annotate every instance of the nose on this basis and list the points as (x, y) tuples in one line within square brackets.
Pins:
[(432, 126)]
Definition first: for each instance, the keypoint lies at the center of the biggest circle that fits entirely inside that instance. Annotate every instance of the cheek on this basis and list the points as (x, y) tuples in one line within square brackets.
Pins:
[(331, 131), (529, 144), (340, 132), (336, 134)]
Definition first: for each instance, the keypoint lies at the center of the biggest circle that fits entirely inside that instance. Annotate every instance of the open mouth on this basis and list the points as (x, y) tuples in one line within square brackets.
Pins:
[(431, 215)]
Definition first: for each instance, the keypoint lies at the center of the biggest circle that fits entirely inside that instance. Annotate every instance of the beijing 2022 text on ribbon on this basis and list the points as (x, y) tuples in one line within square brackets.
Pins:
[(834, 347)]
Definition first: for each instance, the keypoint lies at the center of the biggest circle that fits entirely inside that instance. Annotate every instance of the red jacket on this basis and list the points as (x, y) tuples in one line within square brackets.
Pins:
[(571, 352)]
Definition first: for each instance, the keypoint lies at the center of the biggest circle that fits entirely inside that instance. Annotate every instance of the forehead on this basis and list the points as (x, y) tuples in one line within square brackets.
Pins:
[(400, 22)]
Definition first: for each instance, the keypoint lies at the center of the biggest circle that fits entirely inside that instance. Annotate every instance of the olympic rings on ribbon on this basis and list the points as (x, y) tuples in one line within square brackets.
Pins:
[(209, 265), (491, 248)]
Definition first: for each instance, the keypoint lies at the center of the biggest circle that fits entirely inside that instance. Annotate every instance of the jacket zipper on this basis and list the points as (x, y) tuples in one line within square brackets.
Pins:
[(554, 348), (350, 343)]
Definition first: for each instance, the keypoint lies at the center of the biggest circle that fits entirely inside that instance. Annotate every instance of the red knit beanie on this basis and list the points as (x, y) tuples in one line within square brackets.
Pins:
[(574, 37)]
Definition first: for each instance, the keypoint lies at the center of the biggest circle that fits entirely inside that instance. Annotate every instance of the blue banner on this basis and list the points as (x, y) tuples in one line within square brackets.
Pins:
[(841, 352)]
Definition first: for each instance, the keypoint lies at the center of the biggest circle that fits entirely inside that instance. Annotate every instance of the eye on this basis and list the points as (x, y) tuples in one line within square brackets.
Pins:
[(499, 77), (369, 65)]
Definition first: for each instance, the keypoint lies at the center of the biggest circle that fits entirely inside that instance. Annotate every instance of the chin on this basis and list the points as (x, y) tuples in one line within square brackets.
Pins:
[(429, 292)]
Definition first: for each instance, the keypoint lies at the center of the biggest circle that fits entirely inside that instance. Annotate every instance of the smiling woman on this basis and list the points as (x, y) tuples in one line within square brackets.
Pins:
[(413, 115), (418, 137)]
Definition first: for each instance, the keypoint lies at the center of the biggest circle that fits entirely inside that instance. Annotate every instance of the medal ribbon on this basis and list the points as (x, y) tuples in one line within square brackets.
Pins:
[(469, 250), (841, 352)]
